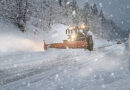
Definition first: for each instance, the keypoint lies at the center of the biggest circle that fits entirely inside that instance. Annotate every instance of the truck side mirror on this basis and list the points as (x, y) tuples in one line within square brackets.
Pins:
[(67, 31)]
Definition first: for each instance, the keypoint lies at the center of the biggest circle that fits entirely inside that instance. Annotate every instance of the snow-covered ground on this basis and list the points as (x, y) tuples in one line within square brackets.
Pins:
[(24, 65)]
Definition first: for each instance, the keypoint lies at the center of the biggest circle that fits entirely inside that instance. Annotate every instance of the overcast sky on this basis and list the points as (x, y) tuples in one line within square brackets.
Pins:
[(118, 10)]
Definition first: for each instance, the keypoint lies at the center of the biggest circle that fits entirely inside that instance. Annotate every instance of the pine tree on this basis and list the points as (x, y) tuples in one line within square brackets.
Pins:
[(87, 9), (50, 17), (21, 6), (16, 11), (101, 15), (94, 9), (75, 12), (60, 2), (86, 12), (65, 3)]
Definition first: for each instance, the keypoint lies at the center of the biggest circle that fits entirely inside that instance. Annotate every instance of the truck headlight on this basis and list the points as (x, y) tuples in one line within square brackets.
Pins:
[(72, 40), (73, 36), (69, 40), (83, 26), (71, 28)]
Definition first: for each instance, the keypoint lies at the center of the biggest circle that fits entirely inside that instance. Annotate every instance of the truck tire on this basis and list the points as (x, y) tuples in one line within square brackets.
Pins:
[(90, 43)]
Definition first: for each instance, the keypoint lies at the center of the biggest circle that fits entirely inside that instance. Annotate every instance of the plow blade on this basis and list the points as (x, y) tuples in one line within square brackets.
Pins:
[(73, 45)]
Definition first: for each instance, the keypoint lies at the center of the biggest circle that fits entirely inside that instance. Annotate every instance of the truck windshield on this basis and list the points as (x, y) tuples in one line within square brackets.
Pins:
[(80, 31)]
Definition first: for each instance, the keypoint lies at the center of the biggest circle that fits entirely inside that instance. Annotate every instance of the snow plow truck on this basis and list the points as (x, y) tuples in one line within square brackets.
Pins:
[(77, 37)]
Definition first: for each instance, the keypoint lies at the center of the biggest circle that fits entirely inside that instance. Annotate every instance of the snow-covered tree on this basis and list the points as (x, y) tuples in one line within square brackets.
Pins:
[(101, 15), (60, 2), (87, 9), (44, 13), (94, 9), (16, 11), (65, 3), (86, 12), (75, 12)]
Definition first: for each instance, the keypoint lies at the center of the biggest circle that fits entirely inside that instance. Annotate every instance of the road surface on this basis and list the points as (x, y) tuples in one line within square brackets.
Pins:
[(102, 69)]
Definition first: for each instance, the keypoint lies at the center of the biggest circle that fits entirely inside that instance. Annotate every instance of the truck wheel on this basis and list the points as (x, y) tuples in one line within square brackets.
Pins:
[(90, 43)]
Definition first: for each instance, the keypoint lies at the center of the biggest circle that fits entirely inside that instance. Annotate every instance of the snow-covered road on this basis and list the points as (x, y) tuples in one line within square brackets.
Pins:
[(66, 70)]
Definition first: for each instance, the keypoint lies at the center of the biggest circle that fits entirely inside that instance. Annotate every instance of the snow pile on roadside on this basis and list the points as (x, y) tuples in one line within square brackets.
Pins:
[(12, 40)]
